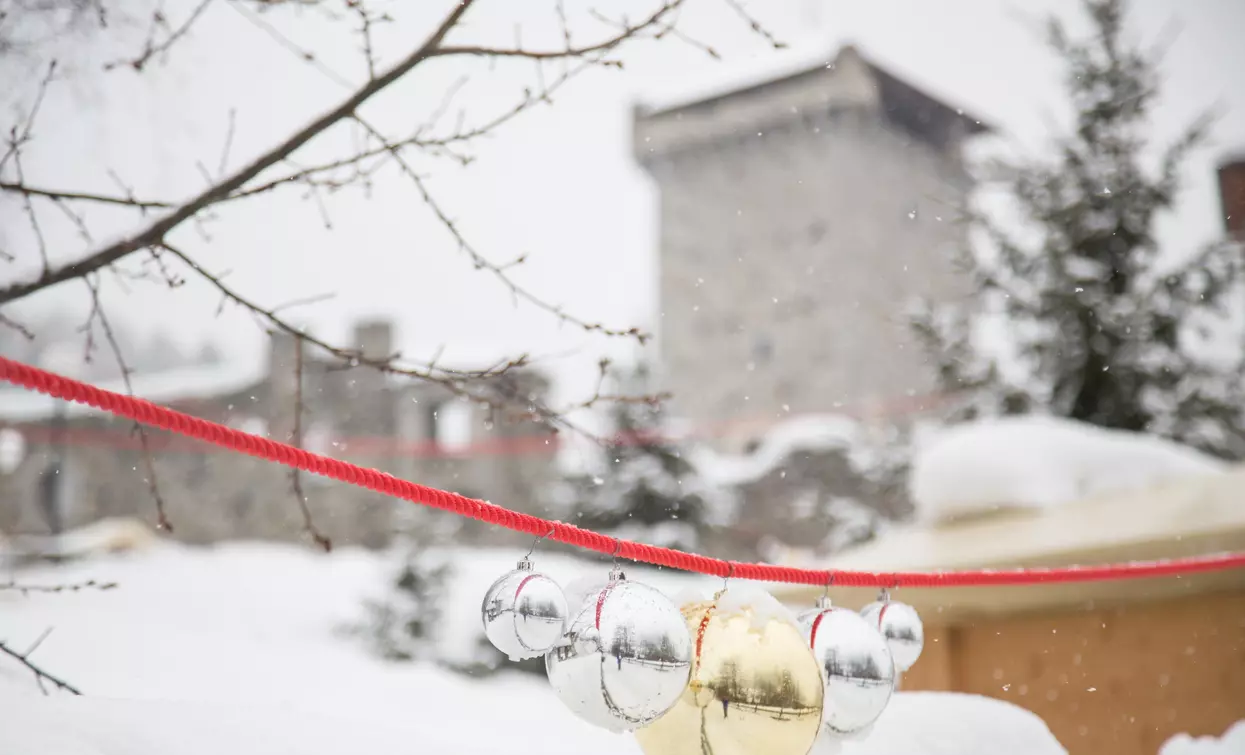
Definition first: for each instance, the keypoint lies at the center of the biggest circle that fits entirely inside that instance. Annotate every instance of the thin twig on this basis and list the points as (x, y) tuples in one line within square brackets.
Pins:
[(9, 322), (18, 137), (97, 313), (151, 48), (473, 385), (483, 263), (296, 440), (755, 25), (224, 153), (25, 589), (626, 32), (365, 33), (40, 674), (29, 208), (32, 191), (418, 140)]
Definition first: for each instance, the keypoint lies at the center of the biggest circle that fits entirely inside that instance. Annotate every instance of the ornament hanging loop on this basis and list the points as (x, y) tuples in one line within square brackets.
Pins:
[(536, 542), (616, 572), (726, 580), (823, 602)]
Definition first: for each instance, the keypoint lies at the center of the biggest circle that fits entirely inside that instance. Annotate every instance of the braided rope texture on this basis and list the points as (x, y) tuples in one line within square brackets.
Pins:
[(153, 415)]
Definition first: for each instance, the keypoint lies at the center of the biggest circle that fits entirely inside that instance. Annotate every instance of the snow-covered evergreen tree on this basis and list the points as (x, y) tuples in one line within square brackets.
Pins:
[(403, 624), (644, 489), (1101, 325)]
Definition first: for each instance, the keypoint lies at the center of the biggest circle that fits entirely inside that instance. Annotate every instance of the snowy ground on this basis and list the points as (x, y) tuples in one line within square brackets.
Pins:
[(238, 649)]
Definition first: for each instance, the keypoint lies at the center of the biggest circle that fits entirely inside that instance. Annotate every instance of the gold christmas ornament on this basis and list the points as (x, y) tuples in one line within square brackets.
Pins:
[(755, 686)]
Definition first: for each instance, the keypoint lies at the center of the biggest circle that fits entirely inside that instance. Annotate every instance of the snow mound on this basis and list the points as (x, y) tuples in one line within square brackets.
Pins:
[(951, 723), (1231, 743), (1038, 462), (817, 432)]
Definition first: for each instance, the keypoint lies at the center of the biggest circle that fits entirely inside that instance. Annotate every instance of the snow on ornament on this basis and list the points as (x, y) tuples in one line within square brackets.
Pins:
[(625, 657), (524, 613), (755, 687), (900, 625), (856, 666)]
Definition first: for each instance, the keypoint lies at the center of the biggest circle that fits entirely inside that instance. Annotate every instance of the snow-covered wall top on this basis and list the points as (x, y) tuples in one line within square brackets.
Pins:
[(1037, 462)]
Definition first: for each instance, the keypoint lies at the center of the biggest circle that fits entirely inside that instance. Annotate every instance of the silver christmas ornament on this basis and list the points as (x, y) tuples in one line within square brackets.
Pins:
[(524, 613), (625, 658), (901, 626), (856, 665)]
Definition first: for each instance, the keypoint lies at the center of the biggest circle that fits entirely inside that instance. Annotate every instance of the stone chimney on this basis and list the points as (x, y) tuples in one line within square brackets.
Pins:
[(1232, 195), (374, 338), (282, 359)]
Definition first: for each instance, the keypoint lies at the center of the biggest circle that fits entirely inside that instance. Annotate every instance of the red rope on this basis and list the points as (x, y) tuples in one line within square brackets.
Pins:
[(161, 417)]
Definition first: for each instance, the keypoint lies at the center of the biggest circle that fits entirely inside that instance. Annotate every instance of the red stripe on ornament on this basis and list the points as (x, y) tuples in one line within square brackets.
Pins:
[(700, 630), (812, 634), (601, 601), (882, 614), (529, 578)]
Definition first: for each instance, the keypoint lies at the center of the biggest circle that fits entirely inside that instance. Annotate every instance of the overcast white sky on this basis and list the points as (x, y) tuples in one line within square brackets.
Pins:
[(558, 185)]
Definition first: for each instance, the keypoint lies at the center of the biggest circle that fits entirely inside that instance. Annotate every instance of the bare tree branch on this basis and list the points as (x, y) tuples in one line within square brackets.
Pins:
[(153, 235), (473, 385), (377, 151), (270, 318)]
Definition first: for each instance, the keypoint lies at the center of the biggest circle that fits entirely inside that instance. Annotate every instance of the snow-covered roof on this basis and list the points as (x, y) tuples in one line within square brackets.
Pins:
[(178, 384)]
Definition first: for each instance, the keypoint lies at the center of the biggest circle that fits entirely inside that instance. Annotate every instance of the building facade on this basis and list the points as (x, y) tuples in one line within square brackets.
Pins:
[(798, 218), (66, 466)]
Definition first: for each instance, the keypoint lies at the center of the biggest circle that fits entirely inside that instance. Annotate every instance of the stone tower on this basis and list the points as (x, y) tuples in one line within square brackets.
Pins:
[(799, 217)]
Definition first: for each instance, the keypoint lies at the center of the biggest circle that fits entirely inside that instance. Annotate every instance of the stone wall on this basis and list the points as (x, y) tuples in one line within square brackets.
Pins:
[(211, 494)]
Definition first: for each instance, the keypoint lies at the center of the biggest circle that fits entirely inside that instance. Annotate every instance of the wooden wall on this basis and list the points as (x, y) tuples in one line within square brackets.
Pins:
[(1107, 681)]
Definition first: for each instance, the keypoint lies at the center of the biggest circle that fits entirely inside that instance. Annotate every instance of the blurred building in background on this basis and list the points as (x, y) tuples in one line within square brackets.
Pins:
[(1232, 194), (798, 217), (65, 465)]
